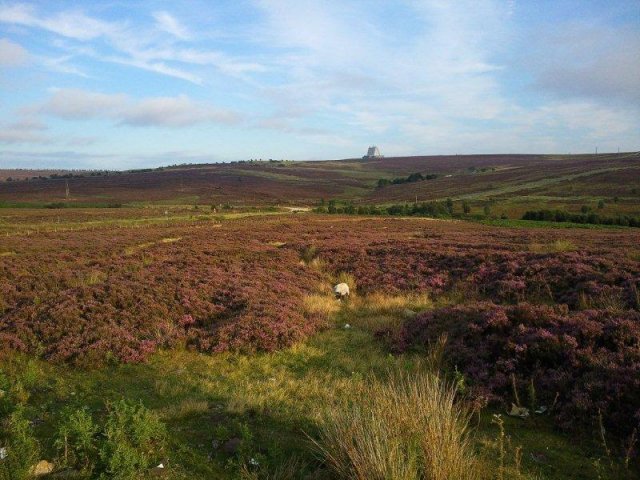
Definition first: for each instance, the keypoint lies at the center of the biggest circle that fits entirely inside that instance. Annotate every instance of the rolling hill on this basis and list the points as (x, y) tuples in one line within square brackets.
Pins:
[(516, 181)]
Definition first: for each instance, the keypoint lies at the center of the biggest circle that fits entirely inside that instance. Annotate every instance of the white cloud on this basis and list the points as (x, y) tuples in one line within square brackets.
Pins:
[(166, 22), (72, 24), (73, 104), (12, 54), (180, 111), (27, 129), (134, 45), (177, 111)]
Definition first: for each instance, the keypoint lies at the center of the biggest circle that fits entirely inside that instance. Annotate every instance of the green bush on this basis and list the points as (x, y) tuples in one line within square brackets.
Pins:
[(77, 440), (131, 440), (20, 448), (134, 438)]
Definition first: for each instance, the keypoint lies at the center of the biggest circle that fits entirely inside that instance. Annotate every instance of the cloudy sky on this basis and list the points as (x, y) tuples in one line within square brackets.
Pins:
[(124, 84)]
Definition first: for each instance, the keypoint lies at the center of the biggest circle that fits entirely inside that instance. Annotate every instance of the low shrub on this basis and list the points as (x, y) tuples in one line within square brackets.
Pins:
[(19, 446), (131, 440), (583, 362)]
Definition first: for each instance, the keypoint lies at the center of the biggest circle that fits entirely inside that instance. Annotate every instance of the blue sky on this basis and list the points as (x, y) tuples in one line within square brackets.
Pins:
[(125, 84)]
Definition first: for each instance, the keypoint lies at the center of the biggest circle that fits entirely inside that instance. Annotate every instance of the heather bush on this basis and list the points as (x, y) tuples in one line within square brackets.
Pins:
[(586, 362), (241, 285)]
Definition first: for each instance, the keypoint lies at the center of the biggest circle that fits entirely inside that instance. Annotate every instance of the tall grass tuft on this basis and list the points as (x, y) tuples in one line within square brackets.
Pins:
[(409, 427)]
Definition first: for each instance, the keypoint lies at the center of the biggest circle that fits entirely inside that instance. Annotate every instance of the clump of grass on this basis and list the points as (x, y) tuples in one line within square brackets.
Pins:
[(277, 244), (171, 239), (386, 303), (349, 279), (87, 279), (460, 292), (412, 426), (614, 302), (378, 311), (308, 254), (324, 305), (558, 246), (188, 407)]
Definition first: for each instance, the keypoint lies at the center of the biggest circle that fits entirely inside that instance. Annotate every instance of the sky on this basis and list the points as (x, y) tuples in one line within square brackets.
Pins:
[(142, 83)]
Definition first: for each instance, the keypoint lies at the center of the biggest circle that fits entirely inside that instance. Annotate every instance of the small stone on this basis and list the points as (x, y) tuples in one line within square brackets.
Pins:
[(42, 468), (347, 326), (520, 412)]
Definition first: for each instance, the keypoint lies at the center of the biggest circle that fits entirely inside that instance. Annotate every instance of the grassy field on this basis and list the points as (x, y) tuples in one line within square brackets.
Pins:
[(273, 403)]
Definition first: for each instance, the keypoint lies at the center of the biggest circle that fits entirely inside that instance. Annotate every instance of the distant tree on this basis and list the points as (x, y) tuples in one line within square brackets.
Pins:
[(615, 199), (466, 208), (584, 209), (487, 210), (449, 205), (601, 204)]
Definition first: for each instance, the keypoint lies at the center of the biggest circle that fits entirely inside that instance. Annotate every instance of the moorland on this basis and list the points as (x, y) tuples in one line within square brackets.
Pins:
[(185, 317)]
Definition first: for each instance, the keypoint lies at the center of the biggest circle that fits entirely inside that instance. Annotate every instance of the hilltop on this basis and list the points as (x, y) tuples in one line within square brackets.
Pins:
[(516, 182)]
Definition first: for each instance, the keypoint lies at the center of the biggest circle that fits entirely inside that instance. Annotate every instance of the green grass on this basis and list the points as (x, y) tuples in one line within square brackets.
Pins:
[(546, 224), (271, 401)]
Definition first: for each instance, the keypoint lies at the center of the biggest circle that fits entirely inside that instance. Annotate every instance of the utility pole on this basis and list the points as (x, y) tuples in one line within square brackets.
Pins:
[(66, 189)]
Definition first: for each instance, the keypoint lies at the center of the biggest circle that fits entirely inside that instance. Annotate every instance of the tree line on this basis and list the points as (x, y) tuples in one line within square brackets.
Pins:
[(585, 217), (414, 177)]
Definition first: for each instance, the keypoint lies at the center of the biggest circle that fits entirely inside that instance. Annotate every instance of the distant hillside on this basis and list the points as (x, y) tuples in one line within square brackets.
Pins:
[(518, 179)]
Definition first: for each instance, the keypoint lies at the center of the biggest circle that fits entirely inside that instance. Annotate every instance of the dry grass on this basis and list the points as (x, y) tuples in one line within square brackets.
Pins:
[(409, 427), (349, 279), (136, 248), (634, 255), (171, 239), (87, 279), (557, 246), (324, 305), (380, 311), (385, 303), (277, 244), (185, 408), (611, 302)]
